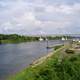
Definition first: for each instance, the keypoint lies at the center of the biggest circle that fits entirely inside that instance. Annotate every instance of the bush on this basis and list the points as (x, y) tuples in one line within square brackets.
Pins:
[(57, 47), (69, 51), (72, 59)]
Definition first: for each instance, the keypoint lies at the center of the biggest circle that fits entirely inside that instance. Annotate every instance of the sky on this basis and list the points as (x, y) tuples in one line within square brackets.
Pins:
[(40, 17)]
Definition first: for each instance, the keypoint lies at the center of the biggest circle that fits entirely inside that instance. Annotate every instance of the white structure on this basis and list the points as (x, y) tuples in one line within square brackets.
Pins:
[(41, 34), (63, 38), (41, 39), (74, 40), (79, 41)]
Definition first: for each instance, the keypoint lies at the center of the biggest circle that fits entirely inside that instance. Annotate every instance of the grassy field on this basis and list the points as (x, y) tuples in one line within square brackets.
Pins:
[(58, 66)]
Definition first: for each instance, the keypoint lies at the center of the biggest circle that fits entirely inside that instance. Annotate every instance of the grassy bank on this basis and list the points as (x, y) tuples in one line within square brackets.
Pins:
[(57, 66)]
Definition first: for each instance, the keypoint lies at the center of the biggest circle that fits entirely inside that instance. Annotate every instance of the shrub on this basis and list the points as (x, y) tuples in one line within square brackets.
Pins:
[(69, 51), (57, 47), (72, 59)]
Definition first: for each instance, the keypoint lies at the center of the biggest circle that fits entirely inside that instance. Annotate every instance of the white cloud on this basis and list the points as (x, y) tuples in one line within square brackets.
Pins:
[(23, 16)]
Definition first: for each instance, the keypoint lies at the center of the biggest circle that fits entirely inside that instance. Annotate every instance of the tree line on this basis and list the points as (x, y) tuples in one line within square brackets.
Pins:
[(15, 38)]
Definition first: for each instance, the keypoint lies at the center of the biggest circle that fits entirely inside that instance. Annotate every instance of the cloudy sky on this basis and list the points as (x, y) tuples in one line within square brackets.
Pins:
[(40, 16)]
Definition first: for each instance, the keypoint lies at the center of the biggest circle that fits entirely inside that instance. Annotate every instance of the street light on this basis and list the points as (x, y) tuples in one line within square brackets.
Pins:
[(47, 43)]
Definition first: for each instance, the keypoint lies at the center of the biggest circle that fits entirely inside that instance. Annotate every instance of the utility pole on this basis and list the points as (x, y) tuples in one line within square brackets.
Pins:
[(47, 43)]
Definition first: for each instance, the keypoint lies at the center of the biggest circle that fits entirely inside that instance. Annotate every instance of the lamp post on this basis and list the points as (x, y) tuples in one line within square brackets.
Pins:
[(47, 43), (47, 46)]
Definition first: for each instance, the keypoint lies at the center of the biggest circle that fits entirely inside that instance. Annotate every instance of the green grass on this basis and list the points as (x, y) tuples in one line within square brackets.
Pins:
[(56, 67)]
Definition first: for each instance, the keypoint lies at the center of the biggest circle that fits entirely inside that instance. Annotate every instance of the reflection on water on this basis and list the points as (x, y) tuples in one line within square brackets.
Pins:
[(14, 57)]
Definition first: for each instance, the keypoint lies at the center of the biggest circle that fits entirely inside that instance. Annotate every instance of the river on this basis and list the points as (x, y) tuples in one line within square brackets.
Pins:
[(15, 57)]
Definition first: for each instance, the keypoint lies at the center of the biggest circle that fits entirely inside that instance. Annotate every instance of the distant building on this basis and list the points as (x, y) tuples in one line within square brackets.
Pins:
[(76, 39), (63, 39), (41, 39)]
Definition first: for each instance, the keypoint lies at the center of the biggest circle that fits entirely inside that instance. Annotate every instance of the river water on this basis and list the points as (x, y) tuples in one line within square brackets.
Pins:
[(15, 57)]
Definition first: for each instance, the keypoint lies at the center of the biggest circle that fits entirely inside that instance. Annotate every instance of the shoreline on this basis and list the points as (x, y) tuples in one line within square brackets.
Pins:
[(42, 59), (36, 62)]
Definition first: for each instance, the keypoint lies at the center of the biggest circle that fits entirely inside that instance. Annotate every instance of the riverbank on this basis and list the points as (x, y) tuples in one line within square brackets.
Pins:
[(36, 63), (58, 65), (15, 38), (16, 57)]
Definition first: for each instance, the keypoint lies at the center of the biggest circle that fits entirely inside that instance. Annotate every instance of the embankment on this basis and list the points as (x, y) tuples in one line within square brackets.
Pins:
[(55, 66)]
